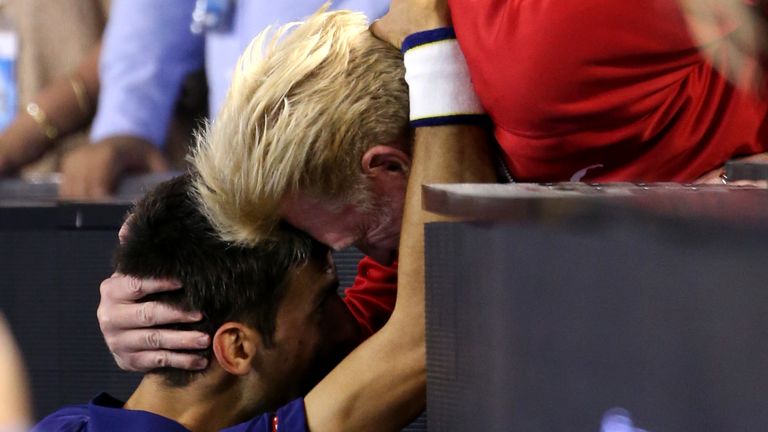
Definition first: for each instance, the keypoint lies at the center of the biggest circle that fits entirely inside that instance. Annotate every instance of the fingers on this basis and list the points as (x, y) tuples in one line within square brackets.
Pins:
[(716, 176), (78, 185), (131, 316), (89, 173), (159, 339), (127, 324), (712, 177), (760, 184), (92, 171), (145, 361), (147, 349), (121, 289)]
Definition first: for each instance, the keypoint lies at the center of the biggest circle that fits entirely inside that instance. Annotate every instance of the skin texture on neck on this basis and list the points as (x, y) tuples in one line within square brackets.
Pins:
[(209, 403)]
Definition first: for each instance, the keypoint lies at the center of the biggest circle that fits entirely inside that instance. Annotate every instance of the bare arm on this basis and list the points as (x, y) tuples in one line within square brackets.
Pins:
[(381, 386), (14, 393), (68, 103)]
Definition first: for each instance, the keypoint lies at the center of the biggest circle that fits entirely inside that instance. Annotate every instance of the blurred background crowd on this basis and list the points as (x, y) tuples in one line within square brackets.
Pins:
[(93, 90)]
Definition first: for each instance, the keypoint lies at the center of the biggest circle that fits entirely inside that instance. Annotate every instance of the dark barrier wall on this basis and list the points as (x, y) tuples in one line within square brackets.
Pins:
[(549, 322), (50, 289)]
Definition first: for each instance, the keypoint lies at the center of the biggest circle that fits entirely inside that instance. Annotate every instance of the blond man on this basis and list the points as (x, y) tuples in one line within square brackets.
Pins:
[(326, 132), (338, 169)]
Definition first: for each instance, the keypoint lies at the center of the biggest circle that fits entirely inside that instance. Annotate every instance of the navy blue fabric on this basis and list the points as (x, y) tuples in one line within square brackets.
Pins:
[(427, 36), (289, 418), (106, 414), (475, 119)]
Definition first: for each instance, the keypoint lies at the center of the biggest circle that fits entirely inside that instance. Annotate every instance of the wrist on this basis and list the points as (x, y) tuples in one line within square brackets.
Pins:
[(440, 87), (436, 19), (43, 122), (21, 143)]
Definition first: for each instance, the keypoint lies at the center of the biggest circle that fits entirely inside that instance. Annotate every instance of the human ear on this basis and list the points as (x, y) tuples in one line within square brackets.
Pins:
[(235, 347), (385, 159)]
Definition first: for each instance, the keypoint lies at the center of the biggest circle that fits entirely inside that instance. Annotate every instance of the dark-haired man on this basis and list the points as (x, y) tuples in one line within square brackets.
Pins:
[(272, 312)]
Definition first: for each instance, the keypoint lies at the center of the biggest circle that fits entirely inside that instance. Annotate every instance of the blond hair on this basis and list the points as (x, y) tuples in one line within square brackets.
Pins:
[(301, 111)]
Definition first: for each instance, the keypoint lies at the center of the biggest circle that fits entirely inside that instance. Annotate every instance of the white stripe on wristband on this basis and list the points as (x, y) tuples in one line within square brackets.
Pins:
[(440, 87)]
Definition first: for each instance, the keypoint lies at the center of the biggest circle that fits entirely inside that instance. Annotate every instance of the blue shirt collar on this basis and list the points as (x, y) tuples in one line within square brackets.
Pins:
[(107, 414)]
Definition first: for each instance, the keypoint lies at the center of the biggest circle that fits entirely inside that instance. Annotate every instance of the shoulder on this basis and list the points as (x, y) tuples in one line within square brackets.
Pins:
[(68, 419)]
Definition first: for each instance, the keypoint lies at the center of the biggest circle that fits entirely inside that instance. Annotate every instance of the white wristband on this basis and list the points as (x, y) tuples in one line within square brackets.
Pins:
[(438, 79)]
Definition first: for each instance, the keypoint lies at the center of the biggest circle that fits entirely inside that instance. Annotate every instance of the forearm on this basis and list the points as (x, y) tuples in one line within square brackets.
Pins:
[(382, 384), (445, 154), (63, 107), (379, 387), (70, 101)]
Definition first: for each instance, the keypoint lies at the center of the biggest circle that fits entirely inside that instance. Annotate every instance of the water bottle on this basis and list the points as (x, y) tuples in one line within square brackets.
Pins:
[(212, 16), (9, 52)]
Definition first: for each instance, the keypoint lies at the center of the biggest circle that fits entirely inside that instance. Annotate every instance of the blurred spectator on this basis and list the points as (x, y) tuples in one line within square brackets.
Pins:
[(14, 393), (148, 49), (58, 74)]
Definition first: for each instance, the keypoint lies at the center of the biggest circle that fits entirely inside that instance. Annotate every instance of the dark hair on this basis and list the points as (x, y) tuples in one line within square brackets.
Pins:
[(168, 237)]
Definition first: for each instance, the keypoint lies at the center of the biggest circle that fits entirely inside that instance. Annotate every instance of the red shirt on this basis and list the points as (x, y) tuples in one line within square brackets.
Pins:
[(615, 84), (371, 298)]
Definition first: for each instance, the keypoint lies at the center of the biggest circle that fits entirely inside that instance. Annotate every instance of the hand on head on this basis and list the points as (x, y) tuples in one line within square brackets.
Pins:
[(129, 325)]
